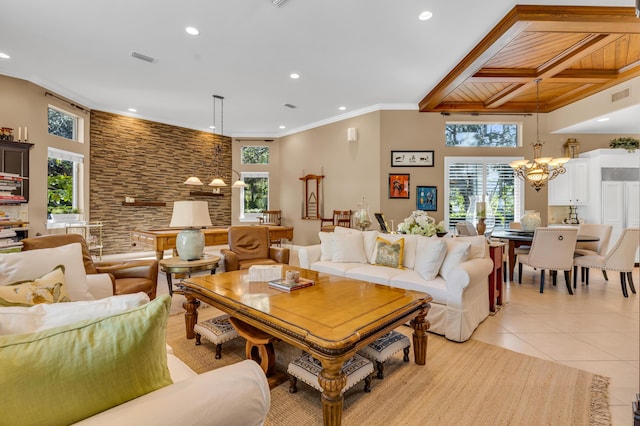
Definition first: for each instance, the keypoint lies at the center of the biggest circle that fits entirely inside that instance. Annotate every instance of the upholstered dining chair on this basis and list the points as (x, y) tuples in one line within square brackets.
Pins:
[(466, 229), (127, 277), (250, 245), (603, 232), (551, 249), (620, 258), (339, 218)]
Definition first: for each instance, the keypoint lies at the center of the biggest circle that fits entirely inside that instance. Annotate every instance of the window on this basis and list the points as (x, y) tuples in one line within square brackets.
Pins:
[(255, 197), (64, 124), (482, 134), (254, 155), (63, 181), (468, 178)]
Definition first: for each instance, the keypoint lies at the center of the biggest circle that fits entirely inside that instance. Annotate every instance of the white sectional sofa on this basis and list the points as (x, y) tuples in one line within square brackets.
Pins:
[(454, 271)]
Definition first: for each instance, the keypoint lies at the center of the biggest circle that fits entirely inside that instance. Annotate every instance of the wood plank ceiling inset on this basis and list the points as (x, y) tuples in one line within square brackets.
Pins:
[(575, 51)]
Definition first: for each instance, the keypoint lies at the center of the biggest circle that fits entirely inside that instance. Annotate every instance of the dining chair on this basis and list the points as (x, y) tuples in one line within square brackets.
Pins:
[(339, 218), (466, 229), (603, 232), (552, 249), (522, 249), (620, 258)]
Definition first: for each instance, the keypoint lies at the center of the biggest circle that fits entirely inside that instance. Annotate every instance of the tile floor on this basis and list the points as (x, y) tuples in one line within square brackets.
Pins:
[(596, 329)]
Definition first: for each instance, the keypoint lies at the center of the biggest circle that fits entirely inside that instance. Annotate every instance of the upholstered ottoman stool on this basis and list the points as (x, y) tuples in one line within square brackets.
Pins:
[(217, 330), (307, 369), (384, 347)]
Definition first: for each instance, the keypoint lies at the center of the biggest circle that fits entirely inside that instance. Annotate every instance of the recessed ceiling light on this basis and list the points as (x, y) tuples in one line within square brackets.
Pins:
[(133, 110), (342, 108), (283, 127), (4, 56), (192, 31), (425, 16), (294, 75), (212, 127), (603, 119)]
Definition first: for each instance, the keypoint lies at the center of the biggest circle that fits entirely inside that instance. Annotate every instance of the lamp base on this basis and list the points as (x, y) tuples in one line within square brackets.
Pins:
[(190, 244)]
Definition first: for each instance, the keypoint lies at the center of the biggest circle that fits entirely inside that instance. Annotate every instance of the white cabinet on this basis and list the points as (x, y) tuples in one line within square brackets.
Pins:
[(571, 188), (620, 206)]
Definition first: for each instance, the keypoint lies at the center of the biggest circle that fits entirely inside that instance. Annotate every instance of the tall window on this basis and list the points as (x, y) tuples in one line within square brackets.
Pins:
[(64, 124), (63, 181), (254, 154), (255, 197), (482, 134), (468, 179)]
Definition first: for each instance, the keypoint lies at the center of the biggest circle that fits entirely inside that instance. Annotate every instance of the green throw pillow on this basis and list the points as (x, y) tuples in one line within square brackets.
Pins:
[(50, 288), (65, 374), (388, 253)]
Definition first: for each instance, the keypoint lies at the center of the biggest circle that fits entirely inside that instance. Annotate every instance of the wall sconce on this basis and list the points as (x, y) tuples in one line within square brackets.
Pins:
[(352, 134)]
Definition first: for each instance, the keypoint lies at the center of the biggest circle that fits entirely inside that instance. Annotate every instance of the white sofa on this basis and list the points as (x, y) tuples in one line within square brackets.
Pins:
[(235, 394), (455, 276)]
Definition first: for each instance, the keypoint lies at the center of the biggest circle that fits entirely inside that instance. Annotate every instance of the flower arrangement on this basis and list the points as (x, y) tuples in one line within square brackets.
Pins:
[(420, 223), (630, 144)]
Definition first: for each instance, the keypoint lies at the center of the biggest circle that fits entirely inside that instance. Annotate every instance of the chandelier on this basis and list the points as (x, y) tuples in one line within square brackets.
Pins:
[(541, 169)]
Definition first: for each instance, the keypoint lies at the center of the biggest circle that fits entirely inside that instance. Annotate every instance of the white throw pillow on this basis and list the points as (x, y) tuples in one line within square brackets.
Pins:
[(430, 254), (368, 240), (18, 320), (30, 264), (348, 247), (479, 246), (457, 252), (326, 245)]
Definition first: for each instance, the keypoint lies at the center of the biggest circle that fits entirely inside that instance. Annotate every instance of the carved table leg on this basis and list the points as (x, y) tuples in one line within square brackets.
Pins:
[(332, 380), (420, 327), (191, 314)]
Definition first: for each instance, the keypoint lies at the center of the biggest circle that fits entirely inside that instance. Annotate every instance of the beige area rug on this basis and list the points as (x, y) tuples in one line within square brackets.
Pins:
[(469, 383)]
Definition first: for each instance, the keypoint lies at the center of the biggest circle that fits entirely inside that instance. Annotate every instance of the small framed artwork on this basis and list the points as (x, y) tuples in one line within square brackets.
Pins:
[(399, 186), (411, 158), (427, 198), (382, 222)]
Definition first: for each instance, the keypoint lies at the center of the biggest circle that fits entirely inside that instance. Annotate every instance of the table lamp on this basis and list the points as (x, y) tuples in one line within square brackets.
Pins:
[(191, 215)]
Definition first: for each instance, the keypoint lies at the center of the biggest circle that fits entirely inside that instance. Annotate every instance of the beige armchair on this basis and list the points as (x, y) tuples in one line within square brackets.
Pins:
[(126, 277), (250, 245), (551, 249), (621, 258)]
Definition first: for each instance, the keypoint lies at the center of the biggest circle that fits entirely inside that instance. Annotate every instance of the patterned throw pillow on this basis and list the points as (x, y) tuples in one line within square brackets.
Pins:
[(388, 253), (50, 288)]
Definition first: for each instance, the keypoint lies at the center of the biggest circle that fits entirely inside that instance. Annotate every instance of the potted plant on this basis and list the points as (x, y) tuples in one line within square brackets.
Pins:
[(630, 144), (64, 214)]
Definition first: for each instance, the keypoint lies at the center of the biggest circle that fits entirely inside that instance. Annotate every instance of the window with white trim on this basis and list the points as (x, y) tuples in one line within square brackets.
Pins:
[(469, 179), (64, 124), (64, 181), (254, 198), (503, 134)]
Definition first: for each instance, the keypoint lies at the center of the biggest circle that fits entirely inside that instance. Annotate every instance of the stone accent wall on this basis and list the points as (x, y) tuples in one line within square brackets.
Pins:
[(149, 161)]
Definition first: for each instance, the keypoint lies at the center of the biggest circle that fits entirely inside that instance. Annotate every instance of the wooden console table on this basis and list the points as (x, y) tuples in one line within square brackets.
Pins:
[(160, 240)]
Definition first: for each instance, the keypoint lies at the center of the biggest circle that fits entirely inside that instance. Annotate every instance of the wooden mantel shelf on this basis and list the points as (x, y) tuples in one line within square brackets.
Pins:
[(206, 194), (145, 204)]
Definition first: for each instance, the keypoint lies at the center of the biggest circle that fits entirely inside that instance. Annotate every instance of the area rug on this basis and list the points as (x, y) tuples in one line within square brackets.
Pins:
[(471, 383)]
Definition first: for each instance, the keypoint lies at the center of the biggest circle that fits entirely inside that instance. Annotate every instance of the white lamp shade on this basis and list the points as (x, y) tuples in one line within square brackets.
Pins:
[(217, 182), (193, 180), (190, 214), (239, 184)]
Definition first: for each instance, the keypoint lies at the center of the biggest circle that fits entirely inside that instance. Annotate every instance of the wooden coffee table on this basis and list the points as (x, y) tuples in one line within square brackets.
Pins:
[(331, 320)]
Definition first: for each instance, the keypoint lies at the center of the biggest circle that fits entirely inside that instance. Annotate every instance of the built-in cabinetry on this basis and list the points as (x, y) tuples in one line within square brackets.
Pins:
[(14, 159), (571, 188)]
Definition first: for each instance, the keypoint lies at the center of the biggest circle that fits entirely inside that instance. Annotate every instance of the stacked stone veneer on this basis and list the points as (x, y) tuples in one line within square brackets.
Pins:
[(149, 161)]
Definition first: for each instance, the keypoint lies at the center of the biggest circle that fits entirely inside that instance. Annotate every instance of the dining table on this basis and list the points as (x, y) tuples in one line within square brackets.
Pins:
[(517, 238)]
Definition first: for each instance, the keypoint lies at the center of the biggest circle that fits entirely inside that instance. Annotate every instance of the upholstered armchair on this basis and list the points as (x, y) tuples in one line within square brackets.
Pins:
[(250, 245), (127, 277)]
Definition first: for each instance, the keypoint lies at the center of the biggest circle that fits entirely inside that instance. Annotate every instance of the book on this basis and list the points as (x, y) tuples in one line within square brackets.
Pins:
[(283, 285)]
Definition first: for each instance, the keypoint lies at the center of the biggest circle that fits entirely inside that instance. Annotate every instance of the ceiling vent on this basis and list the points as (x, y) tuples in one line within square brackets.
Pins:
[(277, 3), (143, 57), (290, 106), (620, 95)]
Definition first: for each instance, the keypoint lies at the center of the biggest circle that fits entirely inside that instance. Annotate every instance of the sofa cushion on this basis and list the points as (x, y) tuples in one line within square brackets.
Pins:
[(368, 240), (326, 245), (411, 280), (430, 253), (348, 247), (30, 264), (373, 273), (334, 268), (457, 252), (389, 253), (50, 288), (19, 320), (68, 373)]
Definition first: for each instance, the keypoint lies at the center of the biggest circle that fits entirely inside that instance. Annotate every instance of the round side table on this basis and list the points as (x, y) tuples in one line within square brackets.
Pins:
[(175, 265)]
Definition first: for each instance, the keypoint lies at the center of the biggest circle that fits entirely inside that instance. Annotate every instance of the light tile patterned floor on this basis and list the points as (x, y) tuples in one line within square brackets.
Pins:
[(596, 330)]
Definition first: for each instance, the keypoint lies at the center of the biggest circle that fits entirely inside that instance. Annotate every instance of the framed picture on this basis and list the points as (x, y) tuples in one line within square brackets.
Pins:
[(411, 158), (382, 222), (398, 186), (427, 198)]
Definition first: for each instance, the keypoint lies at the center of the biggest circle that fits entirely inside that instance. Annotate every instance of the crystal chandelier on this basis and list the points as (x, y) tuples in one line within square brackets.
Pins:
[(541, 169)]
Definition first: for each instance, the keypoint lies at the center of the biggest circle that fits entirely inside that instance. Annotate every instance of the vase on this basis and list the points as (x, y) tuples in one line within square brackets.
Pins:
[(530, 220), (481, 227)]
